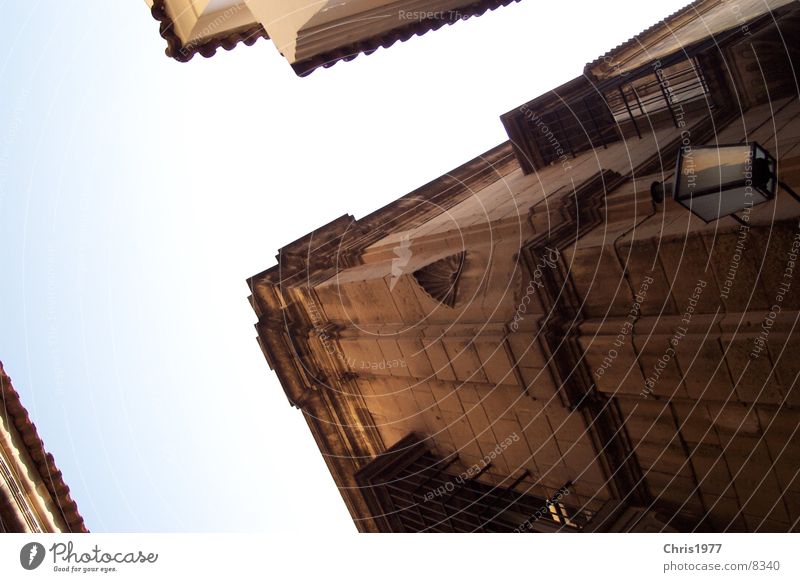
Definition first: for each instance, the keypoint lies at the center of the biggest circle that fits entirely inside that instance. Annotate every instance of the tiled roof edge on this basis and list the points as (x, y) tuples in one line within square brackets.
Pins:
[(45, 465), (208, 48), (402, 34)]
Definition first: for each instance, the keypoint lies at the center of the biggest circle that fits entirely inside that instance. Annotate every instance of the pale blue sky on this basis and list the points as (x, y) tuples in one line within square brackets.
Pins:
[(137, 194)]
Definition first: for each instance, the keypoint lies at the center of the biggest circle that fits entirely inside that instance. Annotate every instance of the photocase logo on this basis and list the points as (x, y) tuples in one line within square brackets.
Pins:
[(402, 253), (31, 555)]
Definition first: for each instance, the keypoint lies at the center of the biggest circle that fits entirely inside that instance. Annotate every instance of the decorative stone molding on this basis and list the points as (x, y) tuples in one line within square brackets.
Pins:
[(440, 279)]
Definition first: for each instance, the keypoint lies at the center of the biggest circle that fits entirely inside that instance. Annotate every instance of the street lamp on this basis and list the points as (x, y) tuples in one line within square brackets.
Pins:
[(717, 181)]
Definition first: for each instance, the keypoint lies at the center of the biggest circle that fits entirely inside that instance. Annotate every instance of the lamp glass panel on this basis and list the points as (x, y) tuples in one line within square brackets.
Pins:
[(708, 168), (714, 206)]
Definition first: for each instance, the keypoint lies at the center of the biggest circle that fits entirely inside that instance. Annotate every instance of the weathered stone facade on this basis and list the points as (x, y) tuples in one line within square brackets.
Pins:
[(532, 328)]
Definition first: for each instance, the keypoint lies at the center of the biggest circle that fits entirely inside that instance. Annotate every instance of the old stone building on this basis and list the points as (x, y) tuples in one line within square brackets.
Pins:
[(536, 342), (308, 33), (33, 495)]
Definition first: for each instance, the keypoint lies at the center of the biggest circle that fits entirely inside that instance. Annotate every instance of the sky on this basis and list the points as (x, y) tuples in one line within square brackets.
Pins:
[(137, 194)]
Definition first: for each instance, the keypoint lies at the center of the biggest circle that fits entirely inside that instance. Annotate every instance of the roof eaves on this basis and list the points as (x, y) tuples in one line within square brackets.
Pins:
[(44, 462), (181, 52), (370, 45)]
